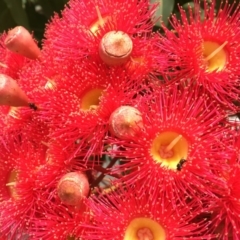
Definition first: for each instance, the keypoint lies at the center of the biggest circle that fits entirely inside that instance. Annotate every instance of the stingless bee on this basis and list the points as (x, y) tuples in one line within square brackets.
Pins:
[(180, 164)]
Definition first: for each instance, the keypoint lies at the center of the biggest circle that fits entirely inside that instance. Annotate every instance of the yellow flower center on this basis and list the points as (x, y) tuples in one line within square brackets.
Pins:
[(91, 99), (168, 148), (144, 229), (215, 55)]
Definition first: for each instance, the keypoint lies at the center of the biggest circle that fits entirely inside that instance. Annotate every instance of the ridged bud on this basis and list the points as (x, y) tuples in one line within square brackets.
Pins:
[(126, 122), (115, 48), (72, 188)]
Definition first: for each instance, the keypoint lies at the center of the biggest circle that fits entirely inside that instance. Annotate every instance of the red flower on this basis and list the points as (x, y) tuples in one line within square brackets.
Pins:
[(15, 108), (10, 119), (181, 149), (27, 199), (79, 107), (8, 170), (61, 223), (130, 213), (83, 27), (236, 157), (21, 113), (38, 208), (34, 171), (22, 121), (226, 206), (18, 110), (11, 63), (206, 51)]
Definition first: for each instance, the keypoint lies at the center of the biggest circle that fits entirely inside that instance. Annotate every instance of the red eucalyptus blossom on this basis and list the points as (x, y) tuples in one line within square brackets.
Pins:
[(206, 51), (118, 32), (10, 63), (79, 107), (237, 157), (130, 213), (9, 170), (17, 108), (15, 112), (181, 149), (28, 195), (22, 121), (38, 194), (48, 213), (19, 100), (60, 223), (10, 119), (226, 207)]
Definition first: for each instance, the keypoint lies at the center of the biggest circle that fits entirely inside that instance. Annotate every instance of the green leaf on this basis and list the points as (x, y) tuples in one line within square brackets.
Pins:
[(6, 20), (51, 6), (164, 10), (48, 7), (18, 13)]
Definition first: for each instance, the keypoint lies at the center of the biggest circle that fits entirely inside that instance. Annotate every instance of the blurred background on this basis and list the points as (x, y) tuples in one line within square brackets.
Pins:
[(34, 14)]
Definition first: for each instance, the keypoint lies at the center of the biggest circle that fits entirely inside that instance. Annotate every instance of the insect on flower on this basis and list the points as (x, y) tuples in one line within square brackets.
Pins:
[(180, 164), (33, 106)]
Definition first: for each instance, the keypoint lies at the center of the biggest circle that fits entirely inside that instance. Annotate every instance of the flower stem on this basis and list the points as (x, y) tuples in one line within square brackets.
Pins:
[(102, 175)]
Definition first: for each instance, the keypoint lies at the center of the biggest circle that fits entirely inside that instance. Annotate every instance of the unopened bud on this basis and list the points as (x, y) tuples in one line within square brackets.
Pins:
[(126, 122), (72, 188), (115, 48), (20, 41), (10, 93)]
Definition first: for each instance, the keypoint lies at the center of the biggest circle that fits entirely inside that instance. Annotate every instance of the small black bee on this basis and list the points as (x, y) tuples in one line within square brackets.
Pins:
[(180, 164), (33, 106)]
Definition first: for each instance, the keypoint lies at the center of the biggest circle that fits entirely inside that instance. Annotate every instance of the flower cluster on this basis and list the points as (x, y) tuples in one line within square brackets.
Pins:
[(113, 131)]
